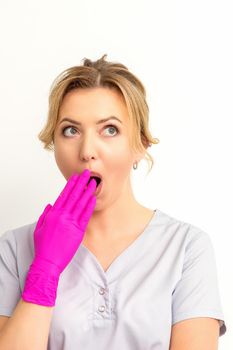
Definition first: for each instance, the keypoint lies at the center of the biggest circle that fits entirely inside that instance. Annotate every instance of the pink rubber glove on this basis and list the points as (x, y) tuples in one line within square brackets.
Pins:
[(57, 236)]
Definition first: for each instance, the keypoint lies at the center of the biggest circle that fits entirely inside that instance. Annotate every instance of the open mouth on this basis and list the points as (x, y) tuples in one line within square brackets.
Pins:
[(97, 179)]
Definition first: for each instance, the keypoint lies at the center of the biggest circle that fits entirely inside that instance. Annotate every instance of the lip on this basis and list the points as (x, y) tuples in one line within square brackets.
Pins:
[(93, 173)]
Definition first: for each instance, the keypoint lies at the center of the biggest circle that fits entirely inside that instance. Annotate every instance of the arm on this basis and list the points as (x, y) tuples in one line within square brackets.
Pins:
[(57, 236), (27, 328), (196, 307), (195, 334)]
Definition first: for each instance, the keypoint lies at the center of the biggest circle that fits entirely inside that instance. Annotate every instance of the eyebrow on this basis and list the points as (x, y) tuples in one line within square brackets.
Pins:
[(99, 121)]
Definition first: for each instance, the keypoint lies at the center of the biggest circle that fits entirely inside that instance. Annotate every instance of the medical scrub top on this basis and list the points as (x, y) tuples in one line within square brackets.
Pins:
[(168, 274)]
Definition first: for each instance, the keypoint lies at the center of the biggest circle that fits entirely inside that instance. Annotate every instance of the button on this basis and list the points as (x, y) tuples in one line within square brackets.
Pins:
[(101, 308), (101, 291)]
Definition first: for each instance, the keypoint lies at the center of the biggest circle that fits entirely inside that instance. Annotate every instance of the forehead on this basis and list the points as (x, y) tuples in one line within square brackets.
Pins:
[(94, 100)]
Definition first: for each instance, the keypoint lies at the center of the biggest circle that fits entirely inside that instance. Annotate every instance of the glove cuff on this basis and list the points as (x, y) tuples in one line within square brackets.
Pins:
[(41, 283)]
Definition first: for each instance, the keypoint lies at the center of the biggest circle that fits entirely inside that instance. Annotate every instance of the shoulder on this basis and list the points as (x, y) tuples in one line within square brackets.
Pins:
[(188, 246), (17, 239), (181, 232)]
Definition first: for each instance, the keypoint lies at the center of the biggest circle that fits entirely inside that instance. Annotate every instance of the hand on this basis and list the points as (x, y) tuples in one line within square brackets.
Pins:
[(60, 231), (57, 236)]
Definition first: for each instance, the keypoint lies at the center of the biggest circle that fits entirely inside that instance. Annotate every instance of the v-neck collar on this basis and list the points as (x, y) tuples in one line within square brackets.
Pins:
[(91, 268)]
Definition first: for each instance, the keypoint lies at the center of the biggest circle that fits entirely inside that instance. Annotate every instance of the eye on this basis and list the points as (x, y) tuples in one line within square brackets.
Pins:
[(67, 127), (73, 128), (112, 127)]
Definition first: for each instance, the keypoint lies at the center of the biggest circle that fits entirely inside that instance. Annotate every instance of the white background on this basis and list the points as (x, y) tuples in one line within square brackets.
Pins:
[(182, 51)]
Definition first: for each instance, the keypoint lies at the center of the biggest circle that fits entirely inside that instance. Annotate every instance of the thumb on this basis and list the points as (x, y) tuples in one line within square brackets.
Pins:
[(41, 218)]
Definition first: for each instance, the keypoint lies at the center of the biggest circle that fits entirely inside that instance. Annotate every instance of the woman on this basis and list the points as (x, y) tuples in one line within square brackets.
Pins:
[(99, 270)]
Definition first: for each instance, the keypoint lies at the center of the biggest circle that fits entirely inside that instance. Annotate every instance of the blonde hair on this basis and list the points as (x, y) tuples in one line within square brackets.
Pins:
[(102, 73)]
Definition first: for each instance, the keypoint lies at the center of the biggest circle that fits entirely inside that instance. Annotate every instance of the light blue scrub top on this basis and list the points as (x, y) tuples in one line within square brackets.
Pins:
[(168, 274)]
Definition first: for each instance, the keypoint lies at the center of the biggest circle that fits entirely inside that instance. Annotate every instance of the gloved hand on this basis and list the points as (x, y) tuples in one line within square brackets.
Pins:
[(57, 236)]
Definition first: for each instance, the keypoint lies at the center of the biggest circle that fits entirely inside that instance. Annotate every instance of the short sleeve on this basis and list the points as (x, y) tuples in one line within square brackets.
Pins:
[(9, 280), (196, 294)]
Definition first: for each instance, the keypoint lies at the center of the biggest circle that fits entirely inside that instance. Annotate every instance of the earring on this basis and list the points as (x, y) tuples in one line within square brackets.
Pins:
[(135, 165)]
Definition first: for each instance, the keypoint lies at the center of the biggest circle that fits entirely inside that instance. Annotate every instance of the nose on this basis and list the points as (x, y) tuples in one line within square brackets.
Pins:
[(87, 149)]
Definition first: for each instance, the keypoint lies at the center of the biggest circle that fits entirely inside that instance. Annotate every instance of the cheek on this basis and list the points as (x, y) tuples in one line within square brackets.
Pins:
[(64, 162), (120, 164)]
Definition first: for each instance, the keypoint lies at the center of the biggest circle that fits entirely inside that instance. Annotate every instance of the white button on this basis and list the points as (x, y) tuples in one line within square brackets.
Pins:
[(101, 308), (101, 291)]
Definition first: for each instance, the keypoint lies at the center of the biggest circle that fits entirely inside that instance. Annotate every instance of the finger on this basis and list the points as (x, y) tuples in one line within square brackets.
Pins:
[(60, 201), (75, 196), (40, 222), (87, 213), (79, 205), (41, 218)]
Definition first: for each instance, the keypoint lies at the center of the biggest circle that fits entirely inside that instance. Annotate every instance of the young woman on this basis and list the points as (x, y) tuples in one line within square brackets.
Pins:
[(98, 270)]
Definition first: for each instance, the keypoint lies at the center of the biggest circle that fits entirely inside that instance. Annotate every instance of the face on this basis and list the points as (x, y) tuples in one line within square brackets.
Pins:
[(101, 147)]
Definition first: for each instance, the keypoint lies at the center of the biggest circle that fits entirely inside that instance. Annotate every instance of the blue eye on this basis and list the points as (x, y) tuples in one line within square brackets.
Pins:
[(112, 127), (67, 127), (73, 128)]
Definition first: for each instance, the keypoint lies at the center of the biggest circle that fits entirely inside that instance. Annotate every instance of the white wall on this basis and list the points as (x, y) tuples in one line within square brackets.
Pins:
[(182, 52)]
